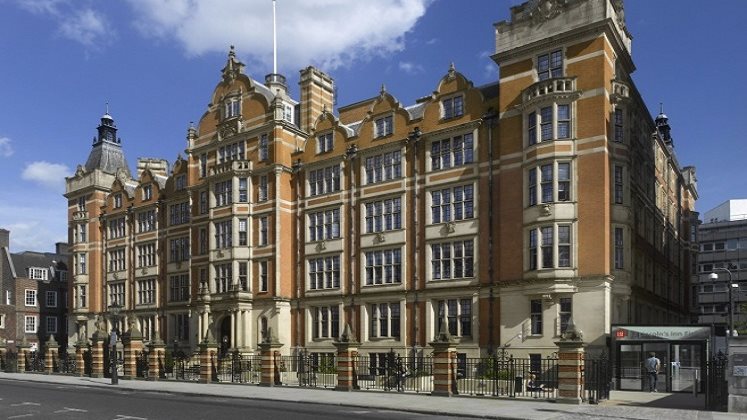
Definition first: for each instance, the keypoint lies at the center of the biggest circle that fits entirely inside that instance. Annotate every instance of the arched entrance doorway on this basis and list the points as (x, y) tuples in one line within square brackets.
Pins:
[(226, 341)]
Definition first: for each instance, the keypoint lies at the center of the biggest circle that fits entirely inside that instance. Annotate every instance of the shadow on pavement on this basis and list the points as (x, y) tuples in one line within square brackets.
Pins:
[(680, 401)]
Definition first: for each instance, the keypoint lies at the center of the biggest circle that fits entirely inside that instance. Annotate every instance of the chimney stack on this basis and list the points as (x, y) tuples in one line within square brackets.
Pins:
[(317, 94), (4, 238)]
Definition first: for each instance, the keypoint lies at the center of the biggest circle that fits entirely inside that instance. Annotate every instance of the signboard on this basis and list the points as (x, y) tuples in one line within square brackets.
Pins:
[(664, 333), (740, 371)]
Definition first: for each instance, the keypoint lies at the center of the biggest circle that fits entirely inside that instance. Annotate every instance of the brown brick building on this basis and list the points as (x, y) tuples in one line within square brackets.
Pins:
[(33, 287), (502, 210)]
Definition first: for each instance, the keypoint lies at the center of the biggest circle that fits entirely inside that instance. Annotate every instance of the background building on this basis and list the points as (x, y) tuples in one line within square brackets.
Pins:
[(501, 210), (33, 286), (723, 245)]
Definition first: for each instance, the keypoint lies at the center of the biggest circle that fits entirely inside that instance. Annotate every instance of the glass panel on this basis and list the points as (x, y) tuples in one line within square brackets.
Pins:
[(662, 353), (630, 367), (685, 367)]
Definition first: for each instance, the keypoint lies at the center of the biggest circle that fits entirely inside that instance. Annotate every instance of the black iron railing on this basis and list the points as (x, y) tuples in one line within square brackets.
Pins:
[(508, 376), (314, 370), (35, 362), (185, 368), (392, 372), (239, 368), (67, 364)]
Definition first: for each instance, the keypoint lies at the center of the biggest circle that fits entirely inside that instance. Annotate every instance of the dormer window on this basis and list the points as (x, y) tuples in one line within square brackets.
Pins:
[(324, 143), (117, 201), (36, 273), (453, 107), (384, 126), (288, 113), (232, 108), (550, 65), (147, 192)]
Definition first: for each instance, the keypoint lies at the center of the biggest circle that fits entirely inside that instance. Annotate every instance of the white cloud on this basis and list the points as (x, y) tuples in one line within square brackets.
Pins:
[(491, 72), (6, 149), (326, 33), (75, 21), (410, 68), (50, 175), (35, 227), (86, 26)]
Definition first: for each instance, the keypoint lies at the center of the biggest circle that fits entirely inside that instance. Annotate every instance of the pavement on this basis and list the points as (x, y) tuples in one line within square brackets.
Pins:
[(622, 404)]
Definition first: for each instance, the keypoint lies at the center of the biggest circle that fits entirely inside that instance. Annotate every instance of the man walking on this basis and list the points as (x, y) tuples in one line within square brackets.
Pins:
[(652, 365)]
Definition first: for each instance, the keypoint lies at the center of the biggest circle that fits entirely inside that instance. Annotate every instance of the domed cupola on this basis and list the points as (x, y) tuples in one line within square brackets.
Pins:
[(107, 129), (662, 126)]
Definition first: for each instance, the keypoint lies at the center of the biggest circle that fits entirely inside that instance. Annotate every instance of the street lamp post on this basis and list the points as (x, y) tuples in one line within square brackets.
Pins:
[(114, 311), (731, 285)]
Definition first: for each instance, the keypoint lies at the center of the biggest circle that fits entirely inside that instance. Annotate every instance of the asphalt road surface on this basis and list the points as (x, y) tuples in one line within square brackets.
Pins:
[(27, 400)]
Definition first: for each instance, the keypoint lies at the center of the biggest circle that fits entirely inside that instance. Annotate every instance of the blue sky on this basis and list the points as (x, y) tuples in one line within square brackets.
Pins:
[(156, 63)]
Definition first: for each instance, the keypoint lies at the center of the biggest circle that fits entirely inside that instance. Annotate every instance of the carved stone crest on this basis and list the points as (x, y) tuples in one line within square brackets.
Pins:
[(539, 11), (546, 210)]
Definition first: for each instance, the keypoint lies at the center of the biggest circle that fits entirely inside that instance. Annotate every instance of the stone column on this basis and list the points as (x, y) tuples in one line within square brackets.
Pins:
[(208, 349), (80, 363), (50, 355), (444, 380), (133, 346), (269, 351), (98, 364), (570, 365), (347, 351), (156, 352)]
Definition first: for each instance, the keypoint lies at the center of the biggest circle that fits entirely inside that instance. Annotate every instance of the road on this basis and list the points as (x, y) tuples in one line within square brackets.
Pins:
[(27, 400)]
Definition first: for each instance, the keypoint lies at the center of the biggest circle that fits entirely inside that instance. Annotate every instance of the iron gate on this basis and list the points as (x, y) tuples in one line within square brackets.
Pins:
[(717, 390), (67, 364), (597, 378), (141, 364), (35, 362)]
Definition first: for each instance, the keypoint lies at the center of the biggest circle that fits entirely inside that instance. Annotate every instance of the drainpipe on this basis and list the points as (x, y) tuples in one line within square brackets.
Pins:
[(350, 155), (490, 117), (297, 165), (412, 139)]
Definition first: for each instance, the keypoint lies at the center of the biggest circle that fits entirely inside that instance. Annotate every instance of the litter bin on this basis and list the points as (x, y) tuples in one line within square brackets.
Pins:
[(519, 384)]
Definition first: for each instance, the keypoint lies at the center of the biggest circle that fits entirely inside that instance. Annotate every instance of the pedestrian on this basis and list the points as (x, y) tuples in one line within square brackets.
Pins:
[(652, 365)]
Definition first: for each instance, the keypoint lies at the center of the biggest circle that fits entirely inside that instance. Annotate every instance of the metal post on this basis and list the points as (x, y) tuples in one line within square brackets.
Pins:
[(730, 285), (113, 355), (114, 314)]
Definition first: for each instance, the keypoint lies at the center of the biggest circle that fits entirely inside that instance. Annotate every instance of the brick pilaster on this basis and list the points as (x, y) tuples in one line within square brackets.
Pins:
[(23, 352), (80, 361), (50, 355), (570, 368), (207, 359), (133, 346), (270, 355), (443, 368), (97, 356), (156, 350), (347, 352)]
